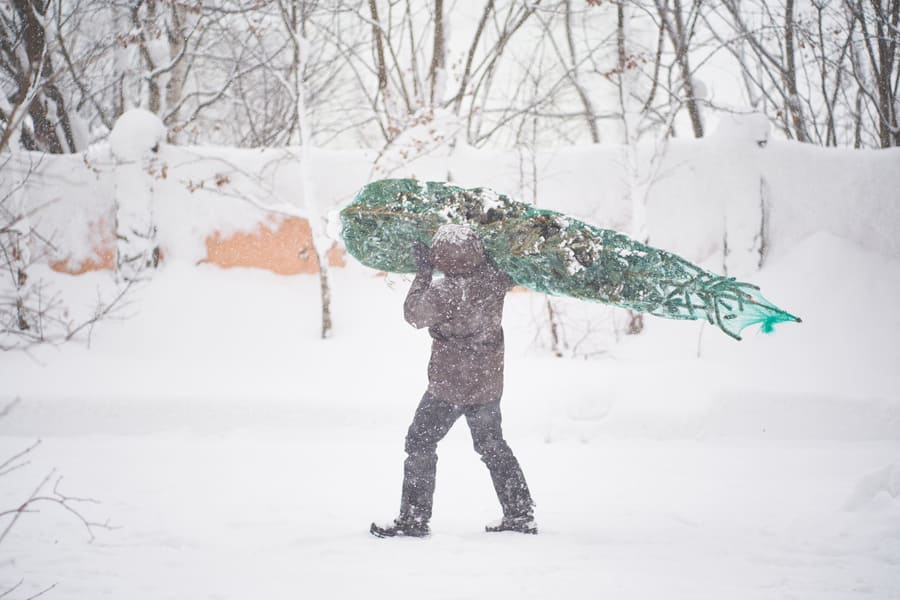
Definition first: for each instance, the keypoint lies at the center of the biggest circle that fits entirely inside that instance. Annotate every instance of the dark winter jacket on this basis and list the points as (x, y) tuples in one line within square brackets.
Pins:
[(463, 312)]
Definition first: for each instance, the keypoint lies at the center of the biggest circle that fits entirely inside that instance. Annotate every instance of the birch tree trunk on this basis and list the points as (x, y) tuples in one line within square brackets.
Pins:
[(637, 188), (295, 16)]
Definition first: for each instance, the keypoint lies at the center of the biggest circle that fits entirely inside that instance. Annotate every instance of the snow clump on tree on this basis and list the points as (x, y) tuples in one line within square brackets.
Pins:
[(136, 134), (742, 129)]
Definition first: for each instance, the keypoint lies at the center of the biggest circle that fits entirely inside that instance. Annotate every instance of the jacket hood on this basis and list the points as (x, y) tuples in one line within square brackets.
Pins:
[(456, 250)]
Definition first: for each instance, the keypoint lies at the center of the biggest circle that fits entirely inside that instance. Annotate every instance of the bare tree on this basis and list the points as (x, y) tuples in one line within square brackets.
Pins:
[(590, 114), (560, 20), (680, 26), (32, 310), (41, 495), (37, 113), (177, 50), (295, 15), (826, 74), (776, 61), (876, 63), (831, 53)]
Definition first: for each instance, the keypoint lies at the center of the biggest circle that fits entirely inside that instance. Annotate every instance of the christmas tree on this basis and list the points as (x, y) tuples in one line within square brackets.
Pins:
[(549, 252)]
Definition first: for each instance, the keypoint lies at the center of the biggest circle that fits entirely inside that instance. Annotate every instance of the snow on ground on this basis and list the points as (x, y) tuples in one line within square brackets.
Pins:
[(241, 457)]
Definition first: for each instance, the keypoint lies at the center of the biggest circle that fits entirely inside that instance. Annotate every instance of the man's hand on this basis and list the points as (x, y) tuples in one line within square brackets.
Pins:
[(420, 252)]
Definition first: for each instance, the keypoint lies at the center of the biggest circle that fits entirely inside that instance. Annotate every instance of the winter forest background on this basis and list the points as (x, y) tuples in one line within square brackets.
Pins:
[(418, 80), (494, 74), (140, 138)]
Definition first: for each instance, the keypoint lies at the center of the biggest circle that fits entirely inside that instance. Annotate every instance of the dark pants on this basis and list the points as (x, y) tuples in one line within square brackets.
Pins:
[(432, 421)]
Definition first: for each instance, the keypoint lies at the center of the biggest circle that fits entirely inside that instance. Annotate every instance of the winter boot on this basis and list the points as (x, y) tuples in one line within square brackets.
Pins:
[(401, 527), (520, 524)]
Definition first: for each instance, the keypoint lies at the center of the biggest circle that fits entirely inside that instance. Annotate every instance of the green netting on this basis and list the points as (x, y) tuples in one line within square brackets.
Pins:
[(549, 252)]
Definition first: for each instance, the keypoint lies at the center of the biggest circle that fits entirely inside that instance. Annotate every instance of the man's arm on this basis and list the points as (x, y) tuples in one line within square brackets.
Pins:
[(499, 281), (428, 304), (505, 281)]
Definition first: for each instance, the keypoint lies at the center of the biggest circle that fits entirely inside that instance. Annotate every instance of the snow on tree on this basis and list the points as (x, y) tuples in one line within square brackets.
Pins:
[(134, 142)]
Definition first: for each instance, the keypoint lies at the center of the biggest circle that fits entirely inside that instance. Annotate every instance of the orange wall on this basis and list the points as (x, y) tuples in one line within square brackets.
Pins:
[(284, 247), (103, 252), (287, 250)]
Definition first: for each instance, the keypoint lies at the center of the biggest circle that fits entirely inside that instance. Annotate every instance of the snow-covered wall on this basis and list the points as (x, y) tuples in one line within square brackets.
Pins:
[(702, 197)]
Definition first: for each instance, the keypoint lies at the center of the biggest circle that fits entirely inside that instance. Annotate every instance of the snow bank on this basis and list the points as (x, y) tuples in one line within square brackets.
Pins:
[(877, 488), (217, 395), (742, 470), (218, 338), (852, 194), (832, 377), (724, 200)]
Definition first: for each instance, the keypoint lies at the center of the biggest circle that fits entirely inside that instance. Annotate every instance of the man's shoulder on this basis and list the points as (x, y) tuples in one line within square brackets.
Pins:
[(498, 279), (484, 283)]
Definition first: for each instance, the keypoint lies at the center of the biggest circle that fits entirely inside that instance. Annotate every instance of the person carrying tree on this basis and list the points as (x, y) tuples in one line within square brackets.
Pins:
[(463, 312)]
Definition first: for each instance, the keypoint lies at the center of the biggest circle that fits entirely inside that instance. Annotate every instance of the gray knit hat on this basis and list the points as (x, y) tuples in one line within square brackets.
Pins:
[(456, 250)]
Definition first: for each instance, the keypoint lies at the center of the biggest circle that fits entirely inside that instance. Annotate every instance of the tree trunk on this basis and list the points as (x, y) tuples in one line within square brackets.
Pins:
[(381, 68), (149, 31), (437, 57), (554, 329), (887, 35), (794, 108), (177, 41), (36, 76), (310, 200), (673, 20), (467, 70), (325, 293), (589, 112)]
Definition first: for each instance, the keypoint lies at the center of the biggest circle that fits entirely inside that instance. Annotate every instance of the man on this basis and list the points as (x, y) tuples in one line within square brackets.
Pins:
[(463, 313)]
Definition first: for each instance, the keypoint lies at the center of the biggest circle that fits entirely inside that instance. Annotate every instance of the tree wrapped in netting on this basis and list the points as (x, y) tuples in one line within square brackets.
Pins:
[(549, 252)]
